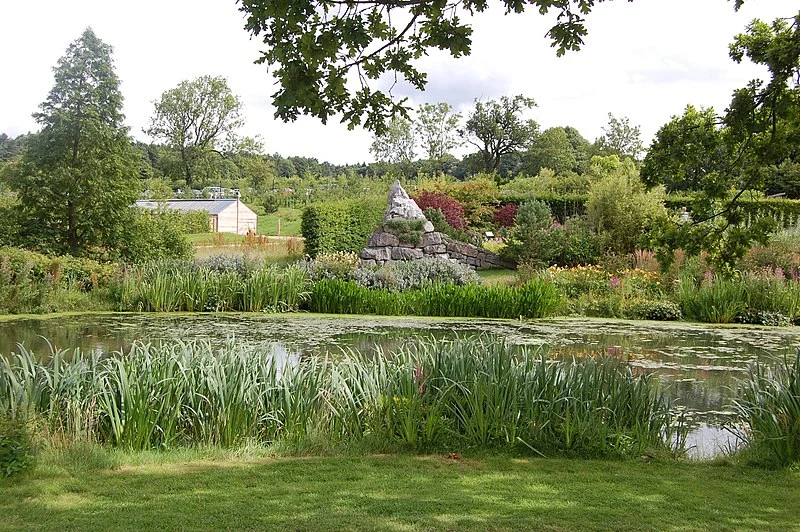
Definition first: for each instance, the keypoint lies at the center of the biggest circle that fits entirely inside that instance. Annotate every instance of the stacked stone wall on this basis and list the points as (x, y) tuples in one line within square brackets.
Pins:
[(383, 248)]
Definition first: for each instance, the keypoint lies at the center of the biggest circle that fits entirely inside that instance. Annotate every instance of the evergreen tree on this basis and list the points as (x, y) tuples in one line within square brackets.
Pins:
[(77, 178)]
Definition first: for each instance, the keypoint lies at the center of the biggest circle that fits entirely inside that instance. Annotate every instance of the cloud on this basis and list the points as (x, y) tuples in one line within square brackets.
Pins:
[(459, 89)]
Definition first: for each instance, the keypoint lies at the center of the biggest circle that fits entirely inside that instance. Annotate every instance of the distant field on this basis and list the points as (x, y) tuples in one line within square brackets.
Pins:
[(289, 221), (214, 239)]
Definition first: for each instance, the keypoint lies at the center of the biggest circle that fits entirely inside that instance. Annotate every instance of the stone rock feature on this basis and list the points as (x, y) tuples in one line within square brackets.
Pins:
[(401, 207), (384, 246)]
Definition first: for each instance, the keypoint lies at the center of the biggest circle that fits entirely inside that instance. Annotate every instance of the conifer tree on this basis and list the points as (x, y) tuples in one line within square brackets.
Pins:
[(76, 181)]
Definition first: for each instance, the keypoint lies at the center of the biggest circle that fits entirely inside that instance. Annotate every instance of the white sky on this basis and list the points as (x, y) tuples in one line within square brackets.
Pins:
[(646, 60)]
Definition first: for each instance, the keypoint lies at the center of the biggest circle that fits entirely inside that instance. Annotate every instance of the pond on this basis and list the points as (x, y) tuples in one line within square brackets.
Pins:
[(698, 364)]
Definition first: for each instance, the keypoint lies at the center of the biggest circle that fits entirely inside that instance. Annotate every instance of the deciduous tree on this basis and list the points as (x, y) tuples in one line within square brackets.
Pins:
[(621, 138), (313, 45), (195, 119), (760, 131), (552, 149), (498, 128), (396, 144), (437, 128)]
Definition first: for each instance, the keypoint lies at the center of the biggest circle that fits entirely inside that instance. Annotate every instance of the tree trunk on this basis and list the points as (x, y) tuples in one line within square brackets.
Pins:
[(187, 173), (72, 229)]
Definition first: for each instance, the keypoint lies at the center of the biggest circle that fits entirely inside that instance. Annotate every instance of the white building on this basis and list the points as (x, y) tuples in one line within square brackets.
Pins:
[(227, 215)]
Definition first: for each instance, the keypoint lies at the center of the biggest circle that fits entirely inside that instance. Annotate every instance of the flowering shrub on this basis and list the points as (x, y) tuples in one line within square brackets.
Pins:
[(452, 209), (628, 284), (334, 265), (506, 215)]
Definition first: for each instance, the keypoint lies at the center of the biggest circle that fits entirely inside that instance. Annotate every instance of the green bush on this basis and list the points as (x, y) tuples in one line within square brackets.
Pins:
[(340, 226), (654, 310), (406, 231), (156, 236), (34, 283), (414, 274), (16, 451), (619, 205)]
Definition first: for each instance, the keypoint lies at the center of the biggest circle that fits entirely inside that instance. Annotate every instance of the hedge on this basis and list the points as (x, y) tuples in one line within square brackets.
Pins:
[(340, 226), (785, 211)]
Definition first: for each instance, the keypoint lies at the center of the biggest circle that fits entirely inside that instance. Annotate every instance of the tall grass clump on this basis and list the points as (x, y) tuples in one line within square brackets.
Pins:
[(768, 400), (535, 299), (714, 301), (211, 286), (764, 297), (427, 396)]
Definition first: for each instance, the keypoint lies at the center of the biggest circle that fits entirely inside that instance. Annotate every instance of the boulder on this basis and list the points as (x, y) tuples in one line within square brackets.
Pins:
[(406, 254), (380, 239), (401, 207)]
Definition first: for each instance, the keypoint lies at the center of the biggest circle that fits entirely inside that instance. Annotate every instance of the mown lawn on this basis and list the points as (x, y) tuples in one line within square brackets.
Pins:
[(188, 491)]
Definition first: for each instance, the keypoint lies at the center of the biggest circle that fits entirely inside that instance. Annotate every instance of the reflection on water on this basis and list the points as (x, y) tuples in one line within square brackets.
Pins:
[(696, 363)]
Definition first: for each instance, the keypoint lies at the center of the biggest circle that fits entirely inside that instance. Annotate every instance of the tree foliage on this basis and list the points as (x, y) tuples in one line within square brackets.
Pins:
[(621, 138), (195, 119), (760, 133), (620, 206), (498, 128), (687, 152), (552, 149), (313, 45), (396, 144), (437, 128), (76, 179)]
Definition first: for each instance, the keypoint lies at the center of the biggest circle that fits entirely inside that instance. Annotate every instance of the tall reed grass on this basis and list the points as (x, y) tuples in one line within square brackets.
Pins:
[(192, 287), (429, 395), (769, 401), (720, 300), (535, 299)]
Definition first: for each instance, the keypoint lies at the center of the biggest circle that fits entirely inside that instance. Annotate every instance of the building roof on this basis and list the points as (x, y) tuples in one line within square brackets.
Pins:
[(211, 206)]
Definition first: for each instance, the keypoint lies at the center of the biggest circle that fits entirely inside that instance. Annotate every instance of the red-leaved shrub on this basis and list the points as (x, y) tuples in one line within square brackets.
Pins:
[(452, 209), (506, 215)]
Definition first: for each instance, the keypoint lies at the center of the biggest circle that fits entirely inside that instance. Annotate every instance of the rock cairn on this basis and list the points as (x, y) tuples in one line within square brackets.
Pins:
[(384, 245)]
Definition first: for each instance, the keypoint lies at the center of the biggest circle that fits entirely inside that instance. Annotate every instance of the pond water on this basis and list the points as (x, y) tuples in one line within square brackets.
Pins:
[(698, 364)]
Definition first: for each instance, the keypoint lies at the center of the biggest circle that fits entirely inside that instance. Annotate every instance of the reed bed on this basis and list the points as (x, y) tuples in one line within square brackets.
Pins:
[(536, 299), (719, 300), (428, 396), (769, 401), (192, 287)]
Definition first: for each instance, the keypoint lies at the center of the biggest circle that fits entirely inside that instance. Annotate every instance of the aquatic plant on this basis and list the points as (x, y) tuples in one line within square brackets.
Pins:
[(768, 400), (197, 287), (535, 299), (427, 395)]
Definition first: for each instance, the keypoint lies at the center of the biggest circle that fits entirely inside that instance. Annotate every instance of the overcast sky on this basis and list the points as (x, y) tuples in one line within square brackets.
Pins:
[(645, 60)]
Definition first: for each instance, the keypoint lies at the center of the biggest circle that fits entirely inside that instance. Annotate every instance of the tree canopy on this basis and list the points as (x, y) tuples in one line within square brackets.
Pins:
[(497, 128), (76, 179), (724, 158), (195, 118), (314, 46)]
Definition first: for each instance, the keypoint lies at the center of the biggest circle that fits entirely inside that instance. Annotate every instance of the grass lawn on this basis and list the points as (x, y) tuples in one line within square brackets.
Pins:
[(189, 490), (497, 276), (214, 239), (289, 218)]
